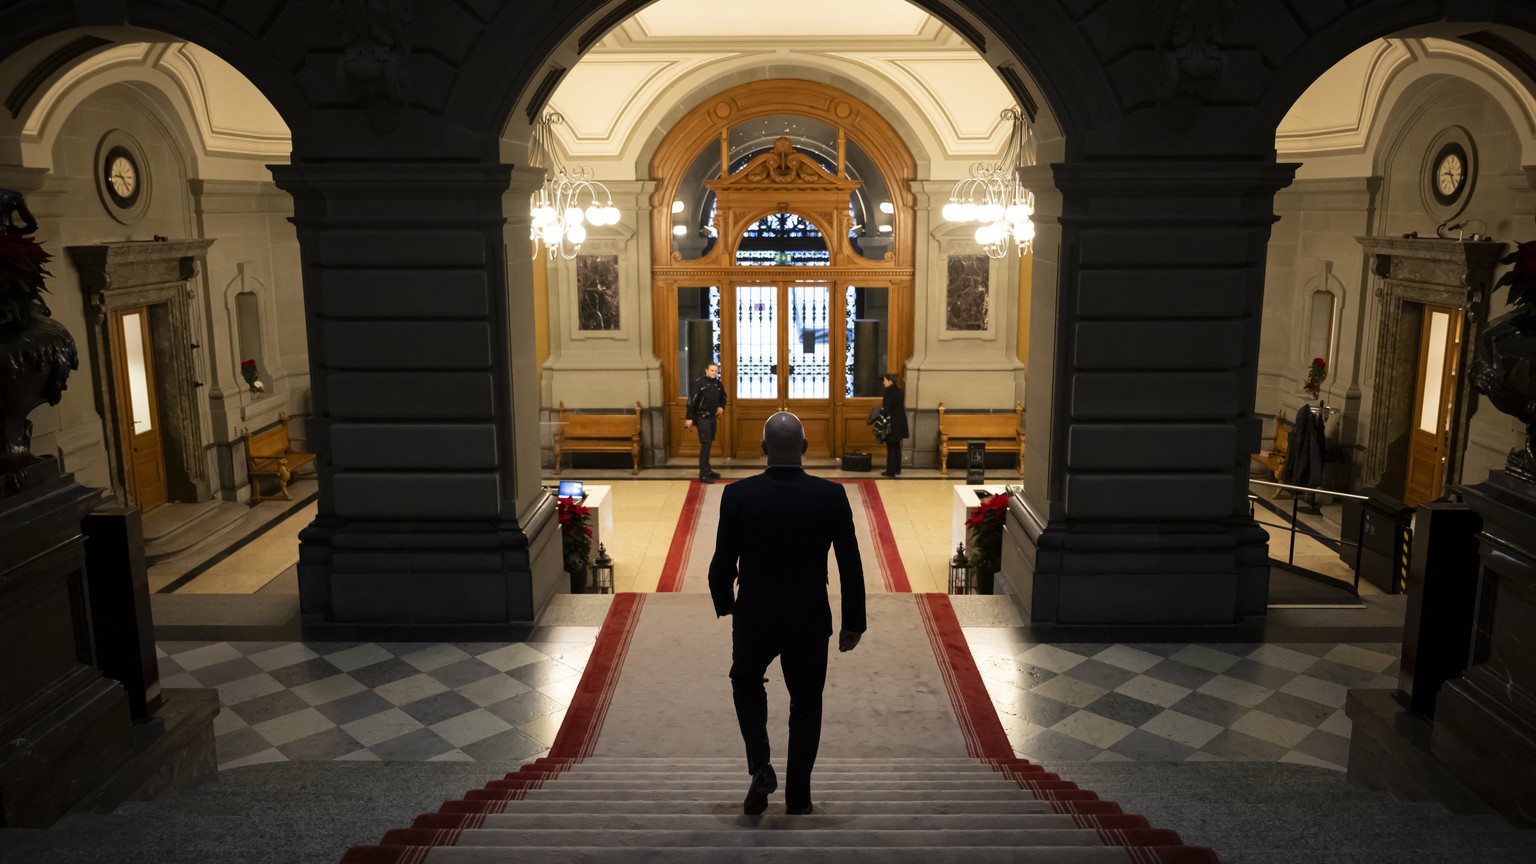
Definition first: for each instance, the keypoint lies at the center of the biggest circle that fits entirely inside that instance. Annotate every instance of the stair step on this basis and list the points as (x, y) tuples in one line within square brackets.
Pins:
[(555, 793), (748, 835), (824, 807), (522, 821), (735, 784), (1008, 854), (180, 527)]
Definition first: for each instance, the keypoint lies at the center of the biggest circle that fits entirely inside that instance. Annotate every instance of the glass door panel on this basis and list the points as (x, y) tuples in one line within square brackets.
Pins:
[(698, 333), (757, 342), (867, 314), (810, 319), (140, 418)]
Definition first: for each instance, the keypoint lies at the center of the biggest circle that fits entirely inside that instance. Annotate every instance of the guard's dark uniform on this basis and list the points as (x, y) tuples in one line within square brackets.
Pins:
[(708, 396)]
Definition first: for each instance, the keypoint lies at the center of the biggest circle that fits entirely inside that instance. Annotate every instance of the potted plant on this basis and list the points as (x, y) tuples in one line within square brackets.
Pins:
[(36, 353), (984, 538), (251, 376), (1504, 364), (575, 541)]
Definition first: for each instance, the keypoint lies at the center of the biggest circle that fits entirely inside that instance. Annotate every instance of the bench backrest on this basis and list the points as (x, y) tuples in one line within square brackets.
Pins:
[(599, 425), (270, 441), (1282, 434), (981, 425)]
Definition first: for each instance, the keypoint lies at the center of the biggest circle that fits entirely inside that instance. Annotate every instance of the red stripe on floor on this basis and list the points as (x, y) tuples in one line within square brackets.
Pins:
[(891, 568), (682, 541), (984, 735), (584, 718)]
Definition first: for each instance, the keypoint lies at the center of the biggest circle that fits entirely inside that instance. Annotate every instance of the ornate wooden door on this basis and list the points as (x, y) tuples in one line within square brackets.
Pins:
[(139, 421), (1439, 338)]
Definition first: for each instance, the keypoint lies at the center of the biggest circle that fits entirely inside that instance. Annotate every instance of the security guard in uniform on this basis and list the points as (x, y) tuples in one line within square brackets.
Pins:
[(704, 409)]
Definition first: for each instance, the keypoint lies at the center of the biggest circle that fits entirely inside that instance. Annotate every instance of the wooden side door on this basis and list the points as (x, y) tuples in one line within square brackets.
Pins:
[(810, 336), (1439, 339), (139, 422)]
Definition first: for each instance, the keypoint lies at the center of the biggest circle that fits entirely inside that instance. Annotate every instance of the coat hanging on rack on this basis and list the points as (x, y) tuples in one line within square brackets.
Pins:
[(1304, 455)]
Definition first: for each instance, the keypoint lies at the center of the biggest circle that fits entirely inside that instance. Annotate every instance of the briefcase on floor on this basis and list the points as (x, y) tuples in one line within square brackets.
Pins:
[(856, 460)]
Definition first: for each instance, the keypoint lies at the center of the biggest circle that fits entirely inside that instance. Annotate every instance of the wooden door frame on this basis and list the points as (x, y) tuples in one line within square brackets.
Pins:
[(122, 394), (1449, 375), (816, 195), (159, 276)]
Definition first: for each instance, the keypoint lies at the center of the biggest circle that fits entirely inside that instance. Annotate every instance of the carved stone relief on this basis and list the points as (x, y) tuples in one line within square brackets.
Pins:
[(376, 59), (1193, 64)]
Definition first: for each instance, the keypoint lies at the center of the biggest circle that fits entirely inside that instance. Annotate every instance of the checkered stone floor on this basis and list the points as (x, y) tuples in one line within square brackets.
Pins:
[(504, 702), (1166, 702), (281, 701)]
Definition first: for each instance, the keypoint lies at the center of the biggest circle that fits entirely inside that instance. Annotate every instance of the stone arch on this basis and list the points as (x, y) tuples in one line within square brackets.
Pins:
[(1513, 24), (495, 96)]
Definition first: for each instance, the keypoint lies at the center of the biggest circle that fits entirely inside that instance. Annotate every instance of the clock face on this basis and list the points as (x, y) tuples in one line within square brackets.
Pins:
[(1449, 173), (121, 178)]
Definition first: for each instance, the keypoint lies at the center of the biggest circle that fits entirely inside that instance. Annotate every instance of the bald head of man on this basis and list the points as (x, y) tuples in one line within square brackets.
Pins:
[(783, 439)]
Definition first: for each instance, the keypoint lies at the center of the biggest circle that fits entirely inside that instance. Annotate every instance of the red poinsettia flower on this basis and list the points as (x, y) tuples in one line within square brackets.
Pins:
[(21, 257), (1521, 278), (989, 510)]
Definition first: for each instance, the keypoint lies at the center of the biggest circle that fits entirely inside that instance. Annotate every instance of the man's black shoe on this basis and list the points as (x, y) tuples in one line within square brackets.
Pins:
[(800, 811), (763, 782), (714, 475), (706, 480)]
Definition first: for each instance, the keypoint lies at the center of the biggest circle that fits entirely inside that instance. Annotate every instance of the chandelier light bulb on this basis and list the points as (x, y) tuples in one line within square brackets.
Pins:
[(989, 212), (576, 233), (1019, 212), (613, 215), (596, 215), (965, 212), (951, 212), (573, 215), (1023, 232), (550, 234)]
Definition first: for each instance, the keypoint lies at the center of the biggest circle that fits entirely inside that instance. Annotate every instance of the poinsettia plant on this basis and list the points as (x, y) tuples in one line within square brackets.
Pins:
[(1317, 373), (1520, 278), (984, 529), (575, 534), (21, 277)]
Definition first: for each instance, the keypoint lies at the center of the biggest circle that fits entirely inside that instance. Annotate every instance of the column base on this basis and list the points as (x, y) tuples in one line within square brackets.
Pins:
[(436, 580), (1177, 574)]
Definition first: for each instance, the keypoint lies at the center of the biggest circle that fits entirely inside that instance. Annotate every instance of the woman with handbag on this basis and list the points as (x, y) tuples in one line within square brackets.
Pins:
[(894, 408)]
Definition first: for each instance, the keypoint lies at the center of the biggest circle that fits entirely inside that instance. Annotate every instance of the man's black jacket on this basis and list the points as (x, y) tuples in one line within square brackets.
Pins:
[(775, 529)]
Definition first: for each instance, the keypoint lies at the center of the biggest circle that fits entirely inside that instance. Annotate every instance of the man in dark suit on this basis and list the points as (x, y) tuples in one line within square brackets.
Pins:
[(775, 529), (704, 409)]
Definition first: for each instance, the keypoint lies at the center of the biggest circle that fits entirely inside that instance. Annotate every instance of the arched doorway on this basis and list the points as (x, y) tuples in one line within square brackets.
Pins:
[(782, 250)]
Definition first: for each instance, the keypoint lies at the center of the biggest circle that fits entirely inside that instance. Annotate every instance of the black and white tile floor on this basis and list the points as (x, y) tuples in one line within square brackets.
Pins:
[(500, 702), (281, 701), (1169, 702)]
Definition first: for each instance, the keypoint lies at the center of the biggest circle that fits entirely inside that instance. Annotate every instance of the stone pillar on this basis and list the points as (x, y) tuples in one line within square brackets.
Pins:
[(1144, 516), (425, 400)]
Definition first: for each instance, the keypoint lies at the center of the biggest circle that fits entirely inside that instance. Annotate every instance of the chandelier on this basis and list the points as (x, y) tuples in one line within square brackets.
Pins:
[(995, 196), (568, 201)]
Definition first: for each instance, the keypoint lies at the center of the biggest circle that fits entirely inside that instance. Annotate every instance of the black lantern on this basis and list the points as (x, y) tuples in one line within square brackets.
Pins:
[(962, 576), (602, 572)]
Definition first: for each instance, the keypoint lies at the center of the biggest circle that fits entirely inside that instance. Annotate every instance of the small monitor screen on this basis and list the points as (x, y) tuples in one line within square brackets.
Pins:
[(570, 489)]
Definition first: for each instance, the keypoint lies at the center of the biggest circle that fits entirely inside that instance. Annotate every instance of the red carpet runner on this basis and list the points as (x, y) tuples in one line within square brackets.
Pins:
[(1119, 836)]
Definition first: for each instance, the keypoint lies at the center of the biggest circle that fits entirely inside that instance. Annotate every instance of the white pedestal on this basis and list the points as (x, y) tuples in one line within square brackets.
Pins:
[(965, 504), (599, 500)]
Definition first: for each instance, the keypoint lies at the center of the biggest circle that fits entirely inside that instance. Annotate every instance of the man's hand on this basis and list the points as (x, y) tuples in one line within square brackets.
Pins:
[(848, 640), (719, 411), (687, 424)]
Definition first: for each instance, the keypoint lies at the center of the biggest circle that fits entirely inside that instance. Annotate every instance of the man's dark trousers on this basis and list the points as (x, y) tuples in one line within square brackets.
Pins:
[(706, 427), (803, 660)]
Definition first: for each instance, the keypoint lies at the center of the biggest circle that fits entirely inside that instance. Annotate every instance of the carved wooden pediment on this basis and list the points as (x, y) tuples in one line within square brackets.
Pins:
[(783, 167)]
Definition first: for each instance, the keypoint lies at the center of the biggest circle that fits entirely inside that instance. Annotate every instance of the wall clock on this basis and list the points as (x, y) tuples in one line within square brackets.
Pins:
[(122, 177), (1449, 170)]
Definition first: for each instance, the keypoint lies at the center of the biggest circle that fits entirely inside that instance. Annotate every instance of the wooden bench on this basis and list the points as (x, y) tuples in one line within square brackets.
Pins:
[(598, 433), (270, 453), (1273, 459), (1004, 430)]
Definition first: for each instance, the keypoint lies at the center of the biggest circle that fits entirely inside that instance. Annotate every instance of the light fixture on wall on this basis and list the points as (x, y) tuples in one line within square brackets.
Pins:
[(568, 201), (994, 195)]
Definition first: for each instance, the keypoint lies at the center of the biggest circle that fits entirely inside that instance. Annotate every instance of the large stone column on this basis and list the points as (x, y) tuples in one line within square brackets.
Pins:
[(1143, 517), (425, 401)]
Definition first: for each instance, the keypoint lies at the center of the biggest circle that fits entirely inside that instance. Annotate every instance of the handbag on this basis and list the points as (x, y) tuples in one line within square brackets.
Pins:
[(883, 428)]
